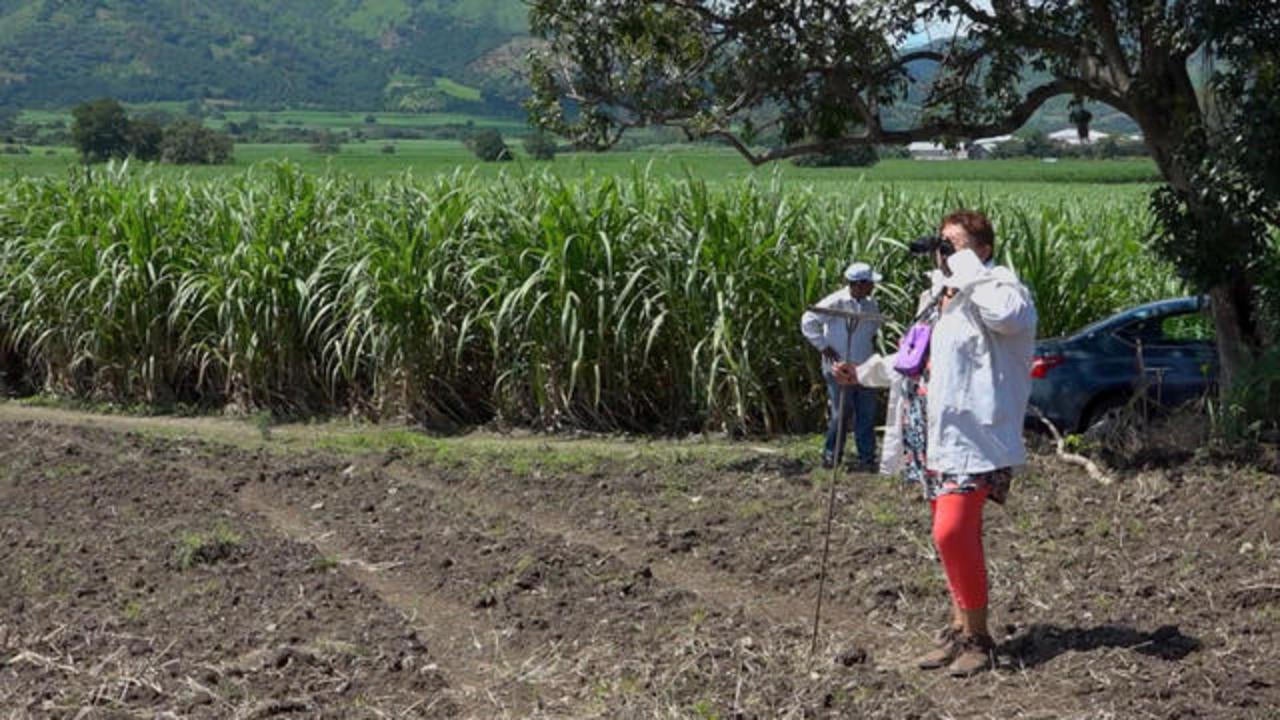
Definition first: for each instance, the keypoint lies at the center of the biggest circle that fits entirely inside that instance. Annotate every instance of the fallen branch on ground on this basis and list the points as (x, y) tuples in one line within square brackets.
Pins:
[(1089, 466), (27, 656)]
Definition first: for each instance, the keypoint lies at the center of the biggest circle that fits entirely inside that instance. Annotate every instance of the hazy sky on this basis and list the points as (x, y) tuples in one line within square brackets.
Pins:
[(935, 31)]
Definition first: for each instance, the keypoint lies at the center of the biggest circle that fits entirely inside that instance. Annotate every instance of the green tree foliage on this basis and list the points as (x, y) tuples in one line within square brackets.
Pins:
[(8, 118), (1219, 225), (145, 136), (540, 146), (1108, 149), (834, 74), (326, 143), (488, 145), (101, 130), (246, 128), (1037, 144), (187, 142), (1017, 147)]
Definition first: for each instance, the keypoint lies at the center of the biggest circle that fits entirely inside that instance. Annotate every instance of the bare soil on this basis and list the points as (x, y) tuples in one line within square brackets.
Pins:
[(206, 576)]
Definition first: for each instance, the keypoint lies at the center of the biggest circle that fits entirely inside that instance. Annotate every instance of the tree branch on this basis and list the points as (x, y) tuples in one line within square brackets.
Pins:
[(972, 13), (1105, 22), (737, 144), (1012, 21), (1015, 119)]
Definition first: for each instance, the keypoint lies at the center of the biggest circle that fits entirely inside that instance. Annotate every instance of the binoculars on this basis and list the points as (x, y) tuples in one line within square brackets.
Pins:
[(929, 244)]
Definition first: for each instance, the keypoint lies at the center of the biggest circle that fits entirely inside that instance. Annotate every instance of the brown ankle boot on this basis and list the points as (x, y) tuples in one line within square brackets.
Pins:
[(976, 653), (947, 647)]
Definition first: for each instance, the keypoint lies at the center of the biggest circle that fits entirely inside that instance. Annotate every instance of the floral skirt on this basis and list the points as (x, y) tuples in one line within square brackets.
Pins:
[(915, 430)]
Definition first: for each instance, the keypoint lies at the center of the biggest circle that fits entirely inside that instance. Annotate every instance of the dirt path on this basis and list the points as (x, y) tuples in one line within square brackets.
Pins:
[(684, 571), (545, 611), (453, 632)]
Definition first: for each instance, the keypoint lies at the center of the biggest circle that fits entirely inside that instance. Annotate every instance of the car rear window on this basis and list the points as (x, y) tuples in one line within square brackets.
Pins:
[(1188, 328)]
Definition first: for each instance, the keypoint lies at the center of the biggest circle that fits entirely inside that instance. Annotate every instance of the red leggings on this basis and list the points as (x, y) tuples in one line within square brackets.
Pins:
[(957, 533)]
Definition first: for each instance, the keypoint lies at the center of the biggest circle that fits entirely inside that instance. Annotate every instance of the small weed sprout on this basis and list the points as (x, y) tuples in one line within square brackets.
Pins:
[(522, 467), (132, 611), (262, 421), (323, 563), (885, 514), (206, 548), (705, 710), (698, 617)]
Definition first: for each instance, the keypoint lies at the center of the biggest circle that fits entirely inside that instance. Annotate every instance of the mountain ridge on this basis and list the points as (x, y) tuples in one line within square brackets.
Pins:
[(323, 53)]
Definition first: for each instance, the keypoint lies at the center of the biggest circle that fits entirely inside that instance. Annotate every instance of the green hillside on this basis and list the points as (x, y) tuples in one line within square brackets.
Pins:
[(1053, 115), (412, 56), (423, 55)]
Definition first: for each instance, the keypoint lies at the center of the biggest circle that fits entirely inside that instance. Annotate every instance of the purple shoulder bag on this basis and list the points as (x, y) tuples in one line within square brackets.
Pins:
[(913, 349)]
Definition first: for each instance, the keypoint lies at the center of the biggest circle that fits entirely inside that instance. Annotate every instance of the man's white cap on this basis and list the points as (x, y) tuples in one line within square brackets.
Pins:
[(861, 272)]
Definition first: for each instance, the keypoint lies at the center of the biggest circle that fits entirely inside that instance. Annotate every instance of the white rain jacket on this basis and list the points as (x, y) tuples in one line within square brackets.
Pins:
[(825, 331), (980, 373)]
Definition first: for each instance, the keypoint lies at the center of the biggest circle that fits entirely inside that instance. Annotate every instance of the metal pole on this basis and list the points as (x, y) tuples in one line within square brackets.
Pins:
[(826, 543), (831, 502)]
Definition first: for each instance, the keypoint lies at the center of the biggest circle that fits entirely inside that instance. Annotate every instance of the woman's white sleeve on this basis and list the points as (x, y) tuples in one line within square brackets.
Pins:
[(891, 443), (1005, 308), (877, 371)]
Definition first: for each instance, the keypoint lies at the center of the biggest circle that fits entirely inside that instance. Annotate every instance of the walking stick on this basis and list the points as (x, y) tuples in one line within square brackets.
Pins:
[(835, 470), (826, 543)]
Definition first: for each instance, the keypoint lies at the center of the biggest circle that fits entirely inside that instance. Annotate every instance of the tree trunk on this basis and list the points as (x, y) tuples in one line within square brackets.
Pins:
[(1167, 109), (1233, 348)]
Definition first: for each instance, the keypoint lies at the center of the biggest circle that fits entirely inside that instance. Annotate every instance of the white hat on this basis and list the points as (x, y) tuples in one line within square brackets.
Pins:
[(861, 272)]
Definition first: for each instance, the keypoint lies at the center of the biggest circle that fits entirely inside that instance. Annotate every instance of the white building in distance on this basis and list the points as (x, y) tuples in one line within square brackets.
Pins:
[(991, 143), (975, 150), (1071, 136), (936, 151)]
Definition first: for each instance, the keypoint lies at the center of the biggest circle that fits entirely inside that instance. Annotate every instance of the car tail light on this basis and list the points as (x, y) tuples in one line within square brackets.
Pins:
[(1042, 364)]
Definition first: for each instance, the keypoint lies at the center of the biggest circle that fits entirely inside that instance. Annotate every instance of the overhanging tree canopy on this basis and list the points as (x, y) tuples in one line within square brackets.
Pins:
[(820, 76)]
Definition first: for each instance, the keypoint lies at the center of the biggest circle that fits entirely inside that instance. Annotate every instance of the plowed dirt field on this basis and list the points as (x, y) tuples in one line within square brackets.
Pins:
[(203, 569)]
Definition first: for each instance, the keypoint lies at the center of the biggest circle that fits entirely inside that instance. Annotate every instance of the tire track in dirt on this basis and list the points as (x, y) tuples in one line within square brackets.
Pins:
[(451, 631), (690, 573), (595, 619)]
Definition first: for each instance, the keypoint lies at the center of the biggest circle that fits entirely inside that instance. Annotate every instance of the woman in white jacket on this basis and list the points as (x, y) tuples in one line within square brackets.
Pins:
[(960, 423)]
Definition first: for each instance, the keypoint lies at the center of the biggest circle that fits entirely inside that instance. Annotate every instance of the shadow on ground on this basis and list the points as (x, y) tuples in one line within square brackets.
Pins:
[(1041, 643)]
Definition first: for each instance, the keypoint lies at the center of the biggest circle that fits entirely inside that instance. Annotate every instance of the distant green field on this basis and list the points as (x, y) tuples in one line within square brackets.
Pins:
[(318, 118), (338, 119), (425, 158), (456, 89)]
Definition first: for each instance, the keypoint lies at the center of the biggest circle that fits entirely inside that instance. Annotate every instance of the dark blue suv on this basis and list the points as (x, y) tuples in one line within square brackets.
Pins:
[(1165, 347)]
